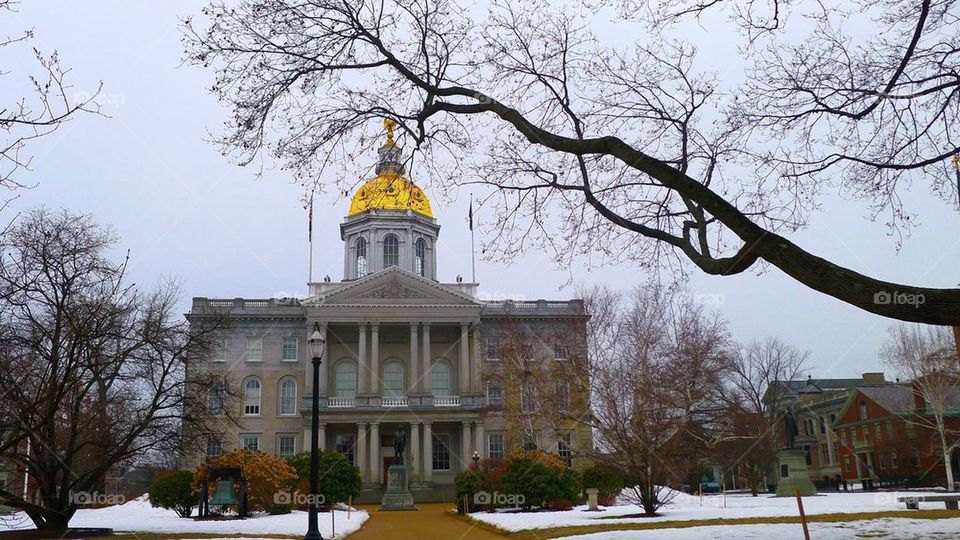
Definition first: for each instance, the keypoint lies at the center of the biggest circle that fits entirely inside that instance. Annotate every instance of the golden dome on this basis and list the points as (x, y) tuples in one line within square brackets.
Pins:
[(389, 189)]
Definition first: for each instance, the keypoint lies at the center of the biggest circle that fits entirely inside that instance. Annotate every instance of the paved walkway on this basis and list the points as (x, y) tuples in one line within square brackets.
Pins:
[(431, 522)]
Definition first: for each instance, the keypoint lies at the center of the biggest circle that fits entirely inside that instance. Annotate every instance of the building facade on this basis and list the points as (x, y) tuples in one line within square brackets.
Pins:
[(403, 350)]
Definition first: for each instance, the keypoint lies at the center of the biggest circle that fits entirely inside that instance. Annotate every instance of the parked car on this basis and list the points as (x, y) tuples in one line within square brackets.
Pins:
[(709, 487)]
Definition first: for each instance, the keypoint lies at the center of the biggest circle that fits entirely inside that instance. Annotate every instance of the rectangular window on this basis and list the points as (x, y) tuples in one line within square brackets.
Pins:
[(915, 458), (495, 448), (214, 448), (250, 442), (494, 393), (560, 352), (345, 446), (890, 430), (563, 396), (911, 432), (863, 410), (254, 349), (878, 432), (289, 352), (493, 348), (441, 452), (215, 398), (219, 352), (843, 436), (528, 397), (565, 447), (823, 426), (286, 445), (846, 464), (807, 455), (893, 459), (824, 454)]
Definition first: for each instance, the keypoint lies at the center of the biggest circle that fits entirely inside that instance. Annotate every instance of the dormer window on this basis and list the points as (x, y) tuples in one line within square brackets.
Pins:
[(420, 251), (391, 251), (361, 258)]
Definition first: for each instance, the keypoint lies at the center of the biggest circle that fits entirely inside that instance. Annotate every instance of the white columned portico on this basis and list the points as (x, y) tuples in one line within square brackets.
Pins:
[(362, 365), (476, 359), (413, 453), (374, 358), (425, 359), (322, 435), (361, 455), (479, 440), (414, 358), (464, 369), (374, 453), (464, 445), (427, 452)]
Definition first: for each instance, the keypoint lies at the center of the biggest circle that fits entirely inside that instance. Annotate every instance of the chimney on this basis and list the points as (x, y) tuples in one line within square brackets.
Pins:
[(874, 378)]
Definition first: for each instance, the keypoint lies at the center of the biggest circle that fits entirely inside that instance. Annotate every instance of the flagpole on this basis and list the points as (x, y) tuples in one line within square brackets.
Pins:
[(310, 239), (473, 251)]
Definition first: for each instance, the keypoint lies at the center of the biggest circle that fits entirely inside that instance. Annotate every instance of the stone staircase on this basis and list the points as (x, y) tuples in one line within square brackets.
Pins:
[(433, 494)]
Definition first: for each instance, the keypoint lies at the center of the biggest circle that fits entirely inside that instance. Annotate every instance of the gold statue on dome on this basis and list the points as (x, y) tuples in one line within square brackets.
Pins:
[(389, 124)]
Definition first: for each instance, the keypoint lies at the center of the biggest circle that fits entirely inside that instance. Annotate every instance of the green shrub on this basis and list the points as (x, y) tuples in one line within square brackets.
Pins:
[(172, 490), (608, 482), (338, 481)]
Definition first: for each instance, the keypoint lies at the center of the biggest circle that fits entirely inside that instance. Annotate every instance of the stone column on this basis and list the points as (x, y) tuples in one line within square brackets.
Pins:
[(464, 370), (375, 358), (829, 437), (464, 445), (427, 452), (425, 361), (480, 440), (414, 358), (322, 434), (476, 359), (413, 452), (325, 362), (375, 453), (359, 452), (362, 364)]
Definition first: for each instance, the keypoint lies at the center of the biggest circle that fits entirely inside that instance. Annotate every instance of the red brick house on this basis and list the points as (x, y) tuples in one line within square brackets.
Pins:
[(883, 437)]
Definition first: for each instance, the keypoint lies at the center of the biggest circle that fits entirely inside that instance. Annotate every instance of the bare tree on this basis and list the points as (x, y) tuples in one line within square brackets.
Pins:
[(623, 153), (756, 399), (92, 370), (656, 384), (927, 356), (49, 104)]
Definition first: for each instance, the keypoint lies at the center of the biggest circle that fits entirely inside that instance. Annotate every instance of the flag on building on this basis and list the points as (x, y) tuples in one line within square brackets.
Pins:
[(471, 213)]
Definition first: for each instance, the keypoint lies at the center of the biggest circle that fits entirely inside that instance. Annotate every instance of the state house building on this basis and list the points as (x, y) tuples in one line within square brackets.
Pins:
[(402, 348)]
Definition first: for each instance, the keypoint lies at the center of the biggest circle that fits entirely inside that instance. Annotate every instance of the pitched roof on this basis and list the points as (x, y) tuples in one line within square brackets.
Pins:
[(895, 398)]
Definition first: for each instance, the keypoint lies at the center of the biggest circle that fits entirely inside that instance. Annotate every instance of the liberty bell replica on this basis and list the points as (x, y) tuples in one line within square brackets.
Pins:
[(223, 494)]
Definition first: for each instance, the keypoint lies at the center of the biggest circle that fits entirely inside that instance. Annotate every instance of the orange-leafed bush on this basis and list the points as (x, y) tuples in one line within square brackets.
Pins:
[(267, 475)]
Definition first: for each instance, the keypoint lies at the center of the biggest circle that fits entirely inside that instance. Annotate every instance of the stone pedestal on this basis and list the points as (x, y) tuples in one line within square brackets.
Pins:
[(592, 500), (397, 496), (793, 474)]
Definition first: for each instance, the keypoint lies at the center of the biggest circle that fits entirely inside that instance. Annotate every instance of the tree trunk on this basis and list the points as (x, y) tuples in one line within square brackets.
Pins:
[(947, 462)]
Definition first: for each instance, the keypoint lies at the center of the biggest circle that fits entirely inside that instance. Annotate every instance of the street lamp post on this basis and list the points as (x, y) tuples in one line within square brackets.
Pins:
[(316, 343), (476, 459)]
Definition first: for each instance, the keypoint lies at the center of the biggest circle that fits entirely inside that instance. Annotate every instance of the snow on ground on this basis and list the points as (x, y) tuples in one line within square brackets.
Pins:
[(687, 507), (138, 515), (886, 529)]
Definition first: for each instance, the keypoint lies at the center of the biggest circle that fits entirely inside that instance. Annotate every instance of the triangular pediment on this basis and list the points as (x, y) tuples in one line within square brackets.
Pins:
[(395, 286)]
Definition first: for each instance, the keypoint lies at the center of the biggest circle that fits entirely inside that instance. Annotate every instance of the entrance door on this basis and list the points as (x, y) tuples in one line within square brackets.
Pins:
[(387, 461)]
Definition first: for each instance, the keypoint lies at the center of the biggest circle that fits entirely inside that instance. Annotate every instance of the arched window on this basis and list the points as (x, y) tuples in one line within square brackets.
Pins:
[(346, 379), (393, 379), (391, 251), (361, 257), (440, 378), (251, 397), (420, 256), (288, 397)]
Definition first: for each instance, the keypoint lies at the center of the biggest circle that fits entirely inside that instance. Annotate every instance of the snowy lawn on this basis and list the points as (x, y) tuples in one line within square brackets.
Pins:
[(139, 516), (887, 529), (686, 507)]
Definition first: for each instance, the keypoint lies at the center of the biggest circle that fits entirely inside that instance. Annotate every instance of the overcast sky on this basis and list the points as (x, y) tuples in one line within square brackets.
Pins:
[(183, 210)]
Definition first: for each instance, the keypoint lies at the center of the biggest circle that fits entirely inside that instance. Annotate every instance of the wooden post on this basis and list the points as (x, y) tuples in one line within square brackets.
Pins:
[(803, 517)]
